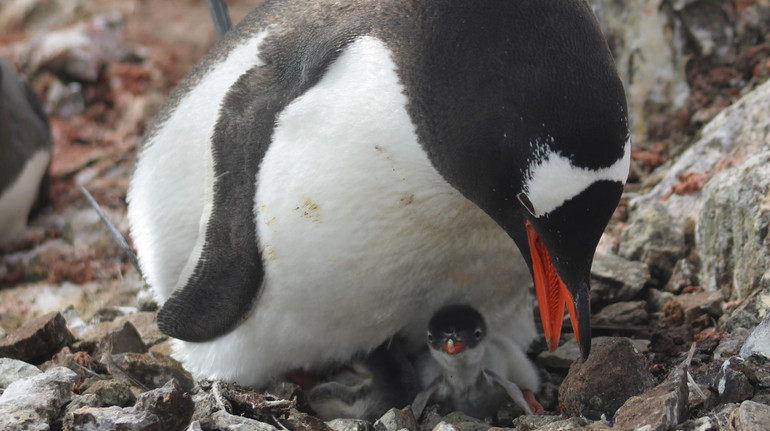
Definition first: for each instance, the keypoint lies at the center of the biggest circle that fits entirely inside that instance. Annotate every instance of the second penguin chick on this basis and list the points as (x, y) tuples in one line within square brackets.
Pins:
[(471, 370), (367, 387)]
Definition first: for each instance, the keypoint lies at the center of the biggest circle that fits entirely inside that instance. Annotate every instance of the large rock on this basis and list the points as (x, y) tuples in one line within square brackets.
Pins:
[(396, 420), (717, 196), (758, 342), (614, 372), (32, 403), (658, 409), (167, 408), (37, 339), (221, 420), (656, 238), (614, 278), (732, 230), (648, 52), (153, 371), (569, 352), (750, 416), (12, 370), (625, 313)]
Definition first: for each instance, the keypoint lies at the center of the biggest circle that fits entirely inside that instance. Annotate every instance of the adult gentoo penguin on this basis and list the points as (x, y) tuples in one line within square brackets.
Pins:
[(25, 153), (334, 172), (472, 370)]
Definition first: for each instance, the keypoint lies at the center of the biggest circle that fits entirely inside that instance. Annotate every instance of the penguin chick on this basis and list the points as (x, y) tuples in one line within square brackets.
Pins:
[(368, 387), (470, 370), (25, 153)]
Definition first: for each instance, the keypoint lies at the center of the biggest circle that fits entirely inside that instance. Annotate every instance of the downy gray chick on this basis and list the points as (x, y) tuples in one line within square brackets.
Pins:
[(470, 370)]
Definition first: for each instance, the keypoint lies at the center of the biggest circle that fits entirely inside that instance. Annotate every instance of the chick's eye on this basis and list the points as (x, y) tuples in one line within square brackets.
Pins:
[(430, 337), (478, 334)]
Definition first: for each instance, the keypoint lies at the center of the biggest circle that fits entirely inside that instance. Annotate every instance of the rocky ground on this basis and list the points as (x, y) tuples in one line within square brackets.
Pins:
[(680, 280)]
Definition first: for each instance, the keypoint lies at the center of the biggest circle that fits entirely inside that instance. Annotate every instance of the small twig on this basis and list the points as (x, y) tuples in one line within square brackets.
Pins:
[(690, 379), (275, 419), (114, 232), (117, 371), (690, 354), (218, 11), (222, 402), (695, 385), (90, 371)]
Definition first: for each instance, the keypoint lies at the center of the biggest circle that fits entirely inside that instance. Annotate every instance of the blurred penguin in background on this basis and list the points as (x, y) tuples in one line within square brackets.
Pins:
[(25, 155)]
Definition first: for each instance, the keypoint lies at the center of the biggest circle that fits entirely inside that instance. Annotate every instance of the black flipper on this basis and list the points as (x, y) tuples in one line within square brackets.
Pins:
[(512, 389), (421, 400), (229, 274)]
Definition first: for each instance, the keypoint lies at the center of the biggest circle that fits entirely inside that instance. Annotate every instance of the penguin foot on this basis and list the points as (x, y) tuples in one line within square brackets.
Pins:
[(534, 405), (301, 378)]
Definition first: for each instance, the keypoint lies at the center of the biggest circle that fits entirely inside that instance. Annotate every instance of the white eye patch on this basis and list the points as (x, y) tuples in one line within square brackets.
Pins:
[(553, 180)]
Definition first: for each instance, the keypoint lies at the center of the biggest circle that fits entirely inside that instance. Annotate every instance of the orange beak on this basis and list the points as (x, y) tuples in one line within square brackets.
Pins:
[(452, 347), (552, 293)]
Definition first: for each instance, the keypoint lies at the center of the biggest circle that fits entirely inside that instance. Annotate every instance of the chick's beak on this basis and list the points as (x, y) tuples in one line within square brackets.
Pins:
[(453, 347)]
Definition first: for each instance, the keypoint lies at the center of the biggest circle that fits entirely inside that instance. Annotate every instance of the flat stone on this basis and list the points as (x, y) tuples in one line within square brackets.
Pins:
[(758, 342), (145, 323), (750, 416), (12, 370), (461, 421), (654, 238), (548, 423), (624, 313), (657, 299), (112, 392), (614, 372), (124, 339), (396, 419), (564, 425), (733, 223), (695, 305), (624, 279), (153, 371), (731, 344), (350, 425), (37, 339), (534, 422), (683, 275), (166, 408), (445, 426), (221, 420), (657, 409), (32, 403)]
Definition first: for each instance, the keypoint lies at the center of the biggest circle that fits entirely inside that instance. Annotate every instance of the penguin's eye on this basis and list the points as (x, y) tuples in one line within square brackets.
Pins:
[(430, 337), (478, 334), (524, 199)]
